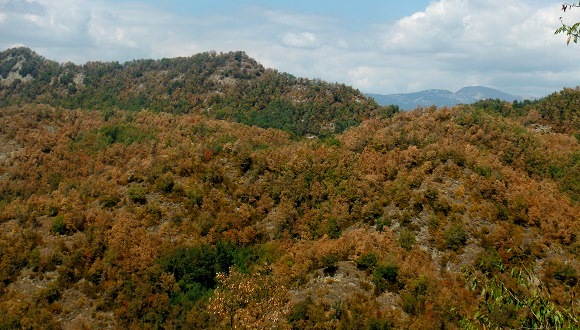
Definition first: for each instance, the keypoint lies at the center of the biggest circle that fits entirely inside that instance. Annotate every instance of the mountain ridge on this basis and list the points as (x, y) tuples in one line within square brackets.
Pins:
[(442, 97), (229, 86)]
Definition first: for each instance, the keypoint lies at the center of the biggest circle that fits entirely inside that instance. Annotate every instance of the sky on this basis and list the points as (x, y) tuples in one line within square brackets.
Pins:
[(375, 46)]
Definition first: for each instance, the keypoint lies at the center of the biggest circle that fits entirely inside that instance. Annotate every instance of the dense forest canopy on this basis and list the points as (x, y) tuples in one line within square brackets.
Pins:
[(209, 192)]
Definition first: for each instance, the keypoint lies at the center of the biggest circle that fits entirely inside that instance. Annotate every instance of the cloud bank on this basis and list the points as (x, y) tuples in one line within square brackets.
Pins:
[(506, 44)]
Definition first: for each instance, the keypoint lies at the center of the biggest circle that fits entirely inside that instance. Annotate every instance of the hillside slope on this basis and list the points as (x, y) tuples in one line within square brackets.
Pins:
[(228, 86), (143, 219)]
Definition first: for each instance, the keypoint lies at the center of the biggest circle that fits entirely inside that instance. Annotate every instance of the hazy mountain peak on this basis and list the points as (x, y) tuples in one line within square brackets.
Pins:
[(442, 97), (482, 93)]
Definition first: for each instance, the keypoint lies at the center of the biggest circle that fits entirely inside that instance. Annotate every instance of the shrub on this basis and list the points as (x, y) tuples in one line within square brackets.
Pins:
[(431, 195), (194, 269), (194, 197), (488, 261), (329, 261), (375, 324), (455, 237), (367, 260), (333, 228), (58, 225), (566, 274), (165, 183), (52, 211), (380, 224), (300, 312), (563, 272), (413, 299), (109, 201), (137, 194), (386, 276), (406, 239)]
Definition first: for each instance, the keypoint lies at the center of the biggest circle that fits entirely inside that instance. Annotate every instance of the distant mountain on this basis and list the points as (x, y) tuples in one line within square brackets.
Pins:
[(483, 93), (441, 97), (409, 101)]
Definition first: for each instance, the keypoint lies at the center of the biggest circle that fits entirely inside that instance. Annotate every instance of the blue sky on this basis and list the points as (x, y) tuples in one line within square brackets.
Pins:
[(376, 46), (367, 10)]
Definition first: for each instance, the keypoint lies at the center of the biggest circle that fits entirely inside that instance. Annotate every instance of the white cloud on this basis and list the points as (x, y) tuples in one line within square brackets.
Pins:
[(24, 7), (506, 44), (477, 40), (363, 76), (294, 19), (300, 40)]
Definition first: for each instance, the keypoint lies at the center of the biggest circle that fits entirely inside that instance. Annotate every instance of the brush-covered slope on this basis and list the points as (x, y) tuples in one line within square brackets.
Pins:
[(228, 86), (144, 220)]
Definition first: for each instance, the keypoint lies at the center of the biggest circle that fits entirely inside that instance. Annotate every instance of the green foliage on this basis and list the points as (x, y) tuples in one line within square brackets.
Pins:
[(194, 268), (516, 303), (165, 183), (329, 263), (58, 225), (54, 181), (108, 113), (277, 114), (572, 31), (563, 272), (381, 223), (106, 136), (333, 228), (246, 92), (109, 201), (386, 277), (300, 312), (455, 236), (367, 260), (137, 194), (194, 197), (406, 239), (414, 297), (329, 260), (566, 274), (431, 195), (126, 134), (388, 111), (489, 261), (6, 67), (375, 324)]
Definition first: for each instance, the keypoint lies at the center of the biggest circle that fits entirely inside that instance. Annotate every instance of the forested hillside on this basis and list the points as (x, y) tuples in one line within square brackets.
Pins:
[(169, 217), (228, 86)]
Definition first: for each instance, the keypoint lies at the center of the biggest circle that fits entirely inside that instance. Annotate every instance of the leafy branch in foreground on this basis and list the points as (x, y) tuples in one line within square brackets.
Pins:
[(572, 31), (516, 300)]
